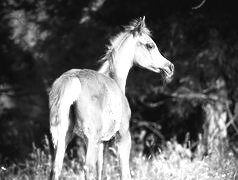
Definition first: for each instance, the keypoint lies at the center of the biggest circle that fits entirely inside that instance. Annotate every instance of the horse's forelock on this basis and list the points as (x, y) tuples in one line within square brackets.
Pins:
[(137, 26)]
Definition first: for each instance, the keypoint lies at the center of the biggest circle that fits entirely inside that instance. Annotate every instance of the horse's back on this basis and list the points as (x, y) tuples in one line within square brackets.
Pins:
[(101, 105)]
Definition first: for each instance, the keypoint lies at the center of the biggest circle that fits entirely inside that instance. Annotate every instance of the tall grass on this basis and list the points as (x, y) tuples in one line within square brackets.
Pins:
[(175, 162)]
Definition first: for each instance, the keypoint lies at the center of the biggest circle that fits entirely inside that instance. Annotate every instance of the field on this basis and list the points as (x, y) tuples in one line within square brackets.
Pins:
[(174, 162)]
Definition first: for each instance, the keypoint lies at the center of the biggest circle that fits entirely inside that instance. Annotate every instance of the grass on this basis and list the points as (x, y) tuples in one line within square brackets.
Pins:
[(175, 162)]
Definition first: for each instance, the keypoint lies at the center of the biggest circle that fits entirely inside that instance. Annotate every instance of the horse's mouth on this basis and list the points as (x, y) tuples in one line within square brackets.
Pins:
[(167, 73)]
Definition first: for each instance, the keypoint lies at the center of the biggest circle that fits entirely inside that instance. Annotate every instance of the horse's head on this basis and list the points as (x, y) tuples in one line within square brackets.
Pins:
[(147, 54)]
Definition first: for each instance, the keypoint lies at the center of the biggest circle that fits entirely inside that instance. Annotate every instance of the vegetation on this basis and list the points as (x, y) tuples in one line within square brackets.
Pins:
[(175, 161)]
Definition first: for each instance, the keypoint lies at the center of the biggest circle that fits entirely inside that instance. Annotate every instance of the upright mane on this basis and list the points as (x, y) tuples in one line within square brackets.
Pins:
[(135, 27)]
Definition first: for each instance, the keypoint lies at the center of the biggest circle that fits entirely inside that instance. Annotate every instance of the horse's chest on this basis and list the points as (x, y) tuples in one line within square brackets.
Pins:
[(101, 111), (111, 116)]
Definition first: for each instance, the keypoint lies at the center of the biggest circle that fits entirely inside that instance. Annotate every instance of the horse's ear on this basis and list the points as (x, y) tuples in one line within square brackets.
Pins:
[(143, 19), (140, 26)]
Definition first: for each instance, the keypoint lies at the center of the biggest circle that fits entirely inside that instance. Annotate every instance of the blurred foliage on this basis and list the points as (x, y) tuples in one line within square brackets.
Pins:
[(41, 39)]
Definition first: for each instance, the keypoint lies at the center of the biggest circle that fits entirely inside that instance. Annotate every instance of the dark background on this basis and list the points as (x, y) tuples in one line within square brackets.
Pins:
[(41, 39)]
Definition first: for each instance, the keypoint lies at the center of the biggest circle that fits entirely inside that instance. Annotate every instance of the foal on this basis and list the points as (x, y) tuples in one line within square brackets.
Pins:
[(93, 103)]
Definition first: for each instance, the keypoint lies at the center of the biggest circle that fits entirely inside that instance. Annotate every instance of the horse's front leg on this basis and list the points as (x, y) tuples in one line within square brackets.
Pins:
[(100, 160), (94, 160), (124, 147)]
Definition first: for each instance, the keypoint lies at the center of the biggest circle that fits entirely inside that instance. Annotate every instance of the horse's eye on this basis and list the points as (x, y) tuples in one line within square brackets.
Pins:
[(149, 46)]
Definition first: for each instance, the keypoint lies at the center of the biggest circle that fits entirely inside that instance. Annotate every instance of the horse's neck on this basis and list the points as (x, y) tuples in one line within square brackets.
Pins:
[(108, 69), (116, 71), (120, 63), (105, 68)]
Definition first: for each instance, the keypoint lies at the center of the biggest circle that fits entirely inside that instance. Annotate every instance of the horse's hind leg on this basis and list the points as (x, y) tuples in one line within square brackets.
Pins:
[(64, 137), (124, 146)]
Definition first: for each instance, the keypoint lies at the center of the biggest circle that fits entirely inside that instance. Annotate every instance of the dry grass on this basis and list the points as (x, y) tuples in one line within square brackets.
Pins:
[(175, 162)]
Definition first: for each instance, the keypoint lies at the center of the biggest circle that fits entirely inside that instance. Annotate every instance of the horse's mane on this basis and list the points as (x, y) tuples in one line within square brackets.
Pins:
[(135, 27)]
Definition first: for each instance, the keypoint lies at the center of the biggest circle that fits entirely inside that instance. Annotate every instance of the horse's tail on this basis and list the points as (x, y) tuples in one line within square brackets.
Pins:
[(65, 91)]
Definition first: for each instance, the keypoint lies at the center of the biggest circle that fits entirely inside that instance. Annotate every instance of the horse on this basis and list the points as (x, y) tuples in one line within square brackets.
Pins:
[(93, 104)]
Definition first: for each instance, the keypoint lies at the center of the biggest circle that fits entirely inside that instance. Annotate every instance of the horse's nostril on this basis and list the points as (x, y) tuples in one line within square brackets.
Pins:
[(171, 67)]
